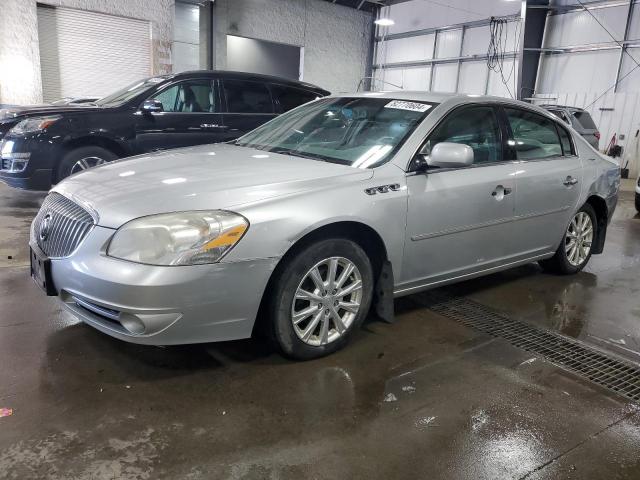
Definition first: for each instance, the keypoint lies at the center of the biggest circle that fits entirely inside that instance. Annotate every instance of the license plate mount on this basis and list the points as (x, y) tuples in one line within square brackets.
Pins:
[(41, 271)]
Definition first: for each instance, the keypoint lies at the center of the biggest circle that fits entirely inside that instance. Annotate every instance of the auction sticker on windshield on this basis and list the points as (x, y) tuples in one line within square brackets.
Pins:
[(411, 106)]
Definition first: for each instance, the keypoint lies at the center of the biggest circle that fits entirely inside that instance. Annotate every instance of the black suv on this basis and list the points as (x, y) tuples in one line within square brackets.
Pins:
[(42, 145)]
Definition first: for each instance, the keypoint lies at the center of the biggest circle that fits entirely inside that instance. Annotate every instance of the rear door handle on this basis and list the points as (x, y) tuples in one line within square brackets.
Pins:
[(570, 181), (212, 125)]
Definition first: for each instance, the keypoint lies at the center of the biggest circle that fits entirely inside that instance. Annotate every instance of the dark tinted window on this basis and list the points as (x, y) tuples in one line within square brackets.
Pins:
[(290, 98), (247, 97), (534, 135), (190, 96), (476, 127), (585, 120), (565, 139)]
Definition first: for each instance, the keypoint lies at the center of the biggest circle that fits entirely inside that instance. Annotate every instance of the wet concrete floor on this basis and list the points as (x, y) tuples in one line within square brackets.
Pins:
[(422, 398)]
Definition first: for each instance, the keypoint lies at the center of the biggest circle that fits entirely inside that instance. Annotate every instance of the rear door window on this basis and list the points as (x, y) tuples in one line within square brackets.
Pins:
[(247, 97), (585, 120), (289, 97), (565, 140), (534, 136)]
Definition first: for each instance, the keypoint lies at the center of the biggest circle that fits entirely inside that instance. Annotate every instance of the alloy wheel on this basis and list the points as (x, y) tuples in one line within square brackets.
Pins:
[(579, 239), (327, 301), (86, 163)]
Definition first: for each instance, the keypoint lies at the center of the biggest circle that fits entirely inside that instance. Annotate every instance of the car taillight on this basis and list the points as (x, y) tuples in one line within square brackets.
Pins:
[(597, 135)]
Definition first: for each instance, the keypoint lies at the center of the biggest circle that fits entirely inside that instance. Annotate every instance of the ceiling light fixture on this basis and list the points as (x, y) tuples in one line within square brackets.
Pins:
[(384, 22)]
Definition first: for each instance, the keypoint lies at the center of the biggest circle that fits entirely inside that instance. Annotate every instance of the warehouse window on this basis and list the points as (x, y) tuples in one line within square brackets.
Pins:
[(247, 97), (534, 136), (476, 127)]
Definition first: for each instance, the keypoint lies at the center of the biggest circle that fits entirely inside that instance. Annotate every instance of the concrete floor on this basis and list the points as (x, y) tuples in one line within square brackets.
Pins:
[(464, 405)]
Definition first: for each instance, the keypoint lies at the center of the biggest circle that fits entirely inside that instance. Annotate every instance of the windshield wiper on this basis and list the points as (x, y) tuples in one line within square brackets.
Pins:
[(296, 153)]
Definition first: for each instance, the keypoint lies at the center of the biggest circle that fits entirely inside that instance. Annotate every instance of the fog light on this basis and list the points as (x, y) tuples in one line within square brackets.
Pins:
[(132, 323)]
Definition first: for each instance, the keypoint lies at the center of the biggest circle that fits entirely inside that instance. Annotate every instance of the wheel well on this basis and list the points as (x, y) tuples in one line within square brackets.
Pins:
[(602, 217), (366, 237), (106, 143)]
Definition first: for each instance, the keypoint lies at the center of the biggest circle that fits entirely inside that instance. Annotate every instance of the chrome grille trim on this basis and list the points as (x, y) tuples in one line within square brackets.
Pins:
[(69, 224)]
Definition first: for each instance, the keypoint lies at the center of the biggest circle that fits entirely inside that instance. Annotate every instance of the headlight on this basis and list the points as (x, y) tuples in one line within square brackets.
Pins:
[(181, 238), (35, 124)]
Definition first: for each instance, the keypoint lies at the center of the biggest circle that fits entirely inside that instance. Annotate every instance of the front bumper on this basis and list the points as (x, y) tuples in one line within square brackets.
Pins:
[(160, 305), (38, 153)]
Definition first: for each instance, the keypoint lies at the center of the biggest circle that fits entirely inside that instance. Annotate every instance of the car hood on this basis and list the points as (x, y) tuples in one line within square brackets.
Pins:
[(218, 176), (38, 110)]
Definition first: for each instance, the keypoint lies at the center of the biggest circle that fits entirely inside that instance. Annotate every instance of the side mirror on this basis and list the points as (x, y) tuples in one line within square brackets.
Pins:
[(152, 105), (450, 155)]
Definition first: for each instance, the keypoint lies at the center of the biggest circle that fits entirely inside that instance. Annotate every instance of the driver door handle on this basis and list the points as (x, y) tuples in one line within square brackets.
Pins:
[(501, 191), (570, 181)]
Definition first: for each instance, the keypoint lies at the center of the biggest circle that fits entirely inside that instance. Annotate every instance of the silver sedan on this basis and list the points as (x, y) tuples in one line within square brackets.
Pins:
[(333, 209)]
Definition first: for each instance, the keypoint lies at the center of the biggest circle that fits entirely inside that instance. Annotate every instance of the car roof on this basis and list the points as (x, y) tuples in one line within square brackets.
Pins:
[(246, 76), (441, 97), (552, 106)]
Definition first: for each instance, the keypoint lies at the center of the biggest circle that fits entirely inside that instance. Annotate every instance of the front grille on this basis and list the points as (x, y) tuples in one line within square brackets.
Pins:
[(60, 226), (600, 368)]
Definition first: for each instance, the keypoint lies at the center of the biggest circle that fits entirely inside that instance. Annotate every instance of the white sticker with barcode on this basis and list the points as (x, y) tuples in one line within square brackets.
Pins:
[(411, 106)]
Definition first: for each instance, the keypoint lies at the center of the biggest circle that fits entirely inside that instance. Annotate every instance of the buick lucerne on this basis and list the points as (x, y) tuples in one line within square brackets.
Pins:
[(304, 224)]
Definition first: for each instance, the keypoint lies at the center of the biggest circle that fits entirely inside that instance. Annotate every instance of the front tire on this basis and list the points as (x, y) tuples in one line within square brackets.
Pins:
[(638, 202), (574, 251), (83, 158), (321, 298)]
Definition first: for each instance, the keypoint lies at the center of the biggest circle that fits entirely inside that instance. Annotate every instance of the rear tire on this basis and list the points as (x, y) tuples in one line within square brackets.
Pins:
[(576, 246), (638, 202), (309, 288), (83, 158)]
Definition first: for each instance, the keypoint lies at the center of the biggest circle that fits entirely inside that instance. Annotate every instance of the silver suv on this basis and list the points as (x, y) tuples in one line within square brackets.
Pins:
[(303, 224), (579, 119)]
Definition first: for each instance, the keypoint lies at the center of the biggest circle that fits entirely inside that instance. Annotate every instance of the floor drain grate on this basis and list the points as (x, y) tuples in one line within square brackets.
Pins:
[(620, 377)]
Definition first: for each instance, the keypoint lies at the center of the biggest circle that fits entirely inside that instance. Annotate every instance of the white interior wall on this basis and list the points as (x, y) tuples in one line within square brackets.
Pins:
[(185, 51), (579, 78), (335, 39), (469, 76)]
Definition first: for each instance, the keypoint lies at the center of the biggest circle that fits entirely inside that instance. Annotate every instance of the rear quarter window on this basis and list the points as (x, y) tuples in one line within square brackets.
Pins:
[(289, 98), (585, 120)]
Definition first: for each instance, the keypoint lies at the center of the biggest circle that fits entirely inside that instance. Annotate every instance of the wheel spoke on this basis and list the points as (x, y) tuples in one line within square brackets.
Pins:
[(317, 279), (349, 306), (331, 274), (337, 321), (302, 314), (357, 285), (306, 295), (312, 326), (572, 253), (344, 275), (570, 245), (324, 330)]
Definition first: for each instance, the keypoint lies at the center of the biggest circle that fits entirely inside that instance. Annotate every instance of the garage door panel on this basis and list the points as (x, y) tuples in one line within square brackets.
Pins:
[(89, 53)]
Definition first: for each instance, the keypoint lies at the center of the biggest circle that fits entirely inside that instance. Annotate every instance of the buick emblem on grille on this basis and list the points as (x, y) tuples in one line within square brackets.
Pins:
[(44, 227)]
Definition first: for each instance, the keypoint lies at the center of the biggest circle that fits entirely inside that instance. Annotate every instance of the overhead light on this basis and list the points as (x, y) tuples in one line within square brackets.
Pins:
[(384, 22)]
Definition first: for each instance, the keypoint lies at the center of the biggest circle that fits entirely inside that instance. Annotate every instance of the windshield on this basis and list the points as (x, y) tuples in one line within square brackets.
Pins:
[(360, 132), (129, 92)]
